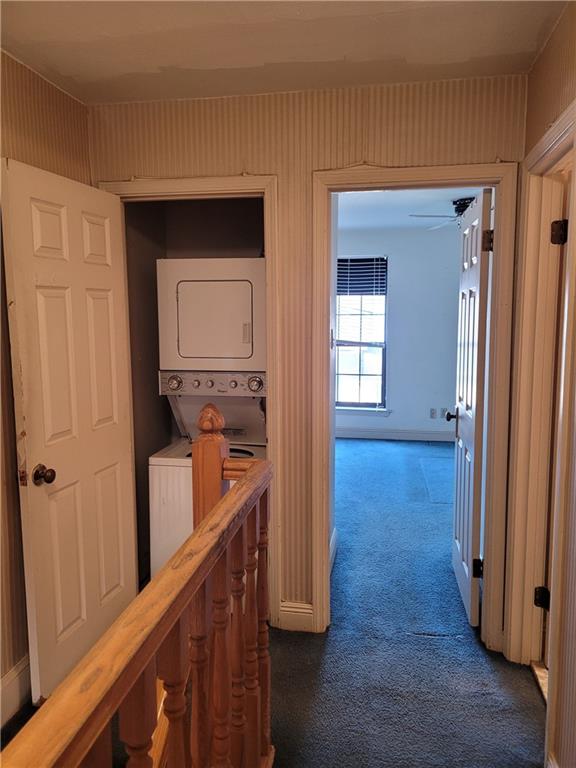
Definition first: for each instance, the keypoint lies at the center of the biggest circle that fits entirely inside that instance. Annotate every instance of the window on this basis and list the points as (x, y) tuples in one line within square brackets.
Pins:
[(361, 332)]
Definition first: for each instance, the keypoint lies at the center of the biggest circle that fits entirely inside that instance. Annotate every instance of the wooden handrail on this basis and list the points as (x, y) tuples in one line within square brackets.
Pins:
[(121, 668)]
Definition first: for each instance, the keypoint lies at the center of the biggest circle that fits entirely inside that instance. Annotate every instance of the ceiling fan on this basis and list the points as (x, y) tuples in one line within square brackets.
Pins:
[(460, 205)]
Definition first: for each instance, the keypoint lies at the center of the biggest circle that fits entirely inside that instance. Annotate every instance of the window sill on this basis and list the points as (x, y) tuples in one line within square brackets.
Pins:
[(376, 411)]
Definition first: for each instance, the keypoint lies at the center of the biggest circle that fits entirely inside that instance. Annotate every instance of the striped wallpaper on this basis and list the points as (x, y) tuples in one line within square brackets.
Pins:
[(552, 81), (291, 135), (42, 125)]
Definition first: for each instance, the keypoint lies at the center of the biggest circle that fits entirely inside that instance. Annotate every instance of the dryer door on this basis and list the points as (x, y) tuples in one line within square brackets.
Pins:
[(212, 314), (223, 310)]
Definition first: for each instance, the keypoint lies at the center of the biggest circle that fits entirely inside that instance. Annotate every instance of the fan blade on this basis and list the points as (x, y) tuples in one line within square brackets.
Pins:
[(439, 226)]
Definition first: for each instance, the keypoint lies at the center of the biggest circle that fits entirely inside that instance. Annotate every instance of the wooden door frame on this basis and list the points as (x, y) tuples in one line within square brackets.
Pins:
[(564, 487), (140, 190), (533, 389), (529, 511), (503, 177)]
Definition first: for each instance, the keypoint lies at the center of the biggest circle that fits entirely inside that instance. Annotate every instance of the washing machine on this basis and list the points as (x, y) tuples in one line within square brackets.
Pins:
[(170, 469)]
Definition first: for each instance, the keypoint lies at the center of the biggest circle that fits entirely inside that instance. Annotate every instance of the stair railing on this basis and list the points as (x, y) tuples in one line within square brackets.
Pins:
[(186, 667)]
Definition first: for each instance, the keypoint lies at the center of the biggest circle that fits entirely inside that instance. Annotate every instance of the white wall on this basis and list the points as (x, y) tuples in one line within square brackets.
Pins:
[(422, 317)]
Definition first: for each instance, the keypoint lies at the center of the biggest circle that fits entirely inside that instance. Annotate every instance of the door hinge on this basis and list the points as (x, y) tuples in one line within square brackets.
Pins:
[(22, 477), (559, 232), (488, 240), (542, 598), (477, 568)]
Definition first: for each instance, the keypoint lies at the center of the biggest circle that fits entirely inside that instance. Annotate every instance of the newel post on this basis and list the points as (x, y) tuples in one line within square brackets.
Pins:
[(209, 450)]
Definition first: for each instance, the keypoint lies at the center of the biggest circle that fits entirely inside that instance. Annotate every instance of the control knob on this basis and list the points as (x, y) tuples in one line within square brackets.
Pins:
[(233, 384), (196, 383), (255, 383), (209, 383), (175, 383)]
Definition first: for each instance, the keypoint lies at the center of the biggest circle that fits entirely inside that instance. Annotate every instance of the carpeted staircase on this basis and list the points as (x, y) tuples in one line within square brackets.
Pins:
[(400, 680)]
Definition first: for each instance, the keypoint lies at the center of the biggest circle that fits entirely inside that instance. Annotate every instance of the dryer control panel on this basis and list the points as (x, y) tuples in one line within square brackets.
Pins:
[(206, 383)]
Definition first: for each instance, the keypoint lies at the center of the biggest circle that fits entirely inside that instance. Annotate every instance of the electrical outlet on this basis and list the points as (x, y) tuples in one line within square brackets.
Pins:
[(443, 412), (433, 414)]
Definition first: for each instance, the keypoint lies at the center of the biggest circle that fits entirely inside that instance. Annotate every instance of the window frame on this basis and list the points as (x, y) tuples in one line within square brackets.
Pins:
[(363, 404)]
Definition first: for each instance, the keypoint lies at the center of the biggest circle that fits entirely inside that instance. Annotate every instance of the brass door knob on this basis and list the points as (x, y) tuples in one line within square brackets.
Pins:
[(42, 474)]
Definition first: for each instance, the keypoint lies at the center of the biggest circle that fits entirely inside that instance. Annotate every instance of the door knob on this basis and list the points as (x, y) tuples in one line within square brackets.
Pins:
[(41, 474), (450, 416)]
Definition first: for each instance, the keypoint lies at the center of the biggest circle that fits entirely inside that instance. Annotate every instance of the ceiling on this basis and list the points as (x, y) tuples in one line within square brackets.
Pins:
[(133, 51), (391, 209)]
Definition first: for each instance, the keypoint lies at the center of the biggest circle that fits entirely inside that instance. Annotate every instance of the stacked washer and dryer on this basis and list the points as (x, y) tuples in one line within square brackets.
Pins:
[(212, 335)]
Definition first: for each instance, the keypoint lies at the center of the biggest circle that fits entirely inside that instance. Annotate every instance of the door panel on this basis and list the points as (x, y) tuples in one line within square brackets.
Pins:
[(96, 239), (57, 369), (109, 521), (103, 384), (470, 402), (69, 341), (68, 559)]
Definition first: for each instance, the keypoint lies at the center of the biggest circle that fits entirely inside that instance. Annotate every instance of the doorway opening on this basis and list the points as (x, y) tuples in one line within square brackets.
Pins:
[(558, 185), (410, 332), (162, 232), (501, 177)]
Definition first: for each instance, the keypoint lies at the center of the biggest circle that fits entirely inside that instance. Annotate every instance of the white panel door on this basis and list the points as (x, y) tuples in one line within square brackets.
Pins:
[(470, 367), (66, 283)]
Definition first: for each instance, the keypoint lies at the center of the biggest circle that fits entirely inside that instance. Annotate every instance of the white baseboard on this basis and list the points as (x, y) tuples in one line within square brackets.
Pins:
[(296, 617), (15, 689), (333, 547), (380, 433)]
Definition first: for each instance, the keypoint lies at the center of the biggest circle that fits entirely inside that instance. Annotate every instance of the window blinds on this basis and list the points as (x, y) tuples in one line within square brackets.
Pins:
[(362, 277)]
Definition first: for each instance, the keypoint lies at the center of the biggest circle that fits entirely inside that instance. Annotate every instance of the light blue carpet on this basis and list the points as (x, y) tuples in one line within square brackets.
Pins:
[(400, 680)]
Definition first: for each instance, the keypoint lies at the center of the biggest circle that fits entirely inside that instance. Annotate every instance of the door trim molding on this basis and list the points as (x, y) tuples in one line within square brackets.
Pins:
[(15, 686), (557, 140), (536, 317), (282, 614), (501, 176), (530, 455)]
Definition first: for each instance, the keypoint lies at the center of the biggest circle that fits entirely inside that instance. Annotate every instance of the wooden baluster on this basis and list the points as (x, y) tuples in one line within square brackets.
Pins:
[(100, 754), (173, 664), (220, 751), (252, 740), (208, 452), (263, 618), (138, 718), (238, 722), (200, 719)]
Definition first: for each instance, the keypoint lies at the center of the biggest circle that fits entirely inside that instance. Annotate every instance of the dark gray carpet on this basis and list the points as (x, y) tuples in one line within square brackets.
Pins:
[(400, 680)]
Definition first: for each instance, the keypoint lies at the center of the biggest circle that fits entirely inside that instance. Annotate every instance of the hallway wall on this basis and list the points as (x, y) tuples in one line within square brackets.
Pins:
[(552, 80), (291, 135), (41, 125)]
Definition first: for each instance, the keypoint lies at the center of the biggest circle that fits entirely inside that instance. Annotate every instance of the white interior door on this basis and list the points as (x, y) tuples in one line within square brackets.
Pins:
[(66, 284), (332, 534), (473, 299)]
